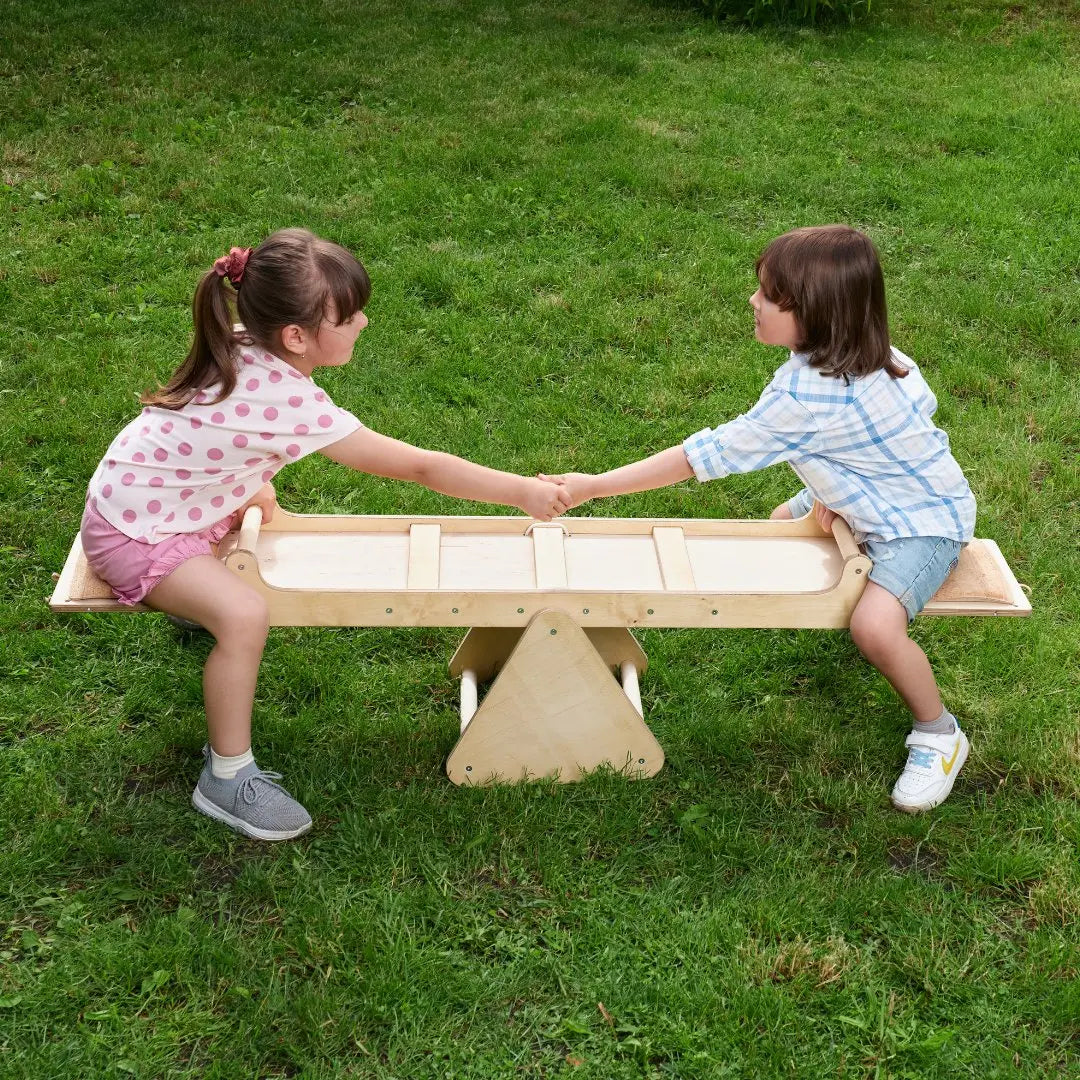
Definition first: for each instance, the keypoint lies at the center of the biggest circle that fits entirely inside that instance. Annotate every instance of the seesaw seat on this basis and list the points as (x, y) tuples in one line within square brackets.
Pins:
[(550, 605)]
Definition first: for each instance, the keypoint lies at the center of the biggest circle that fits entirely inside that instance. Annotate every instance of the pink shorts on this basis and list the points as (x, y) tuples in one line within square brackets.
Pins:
[(132, 568)]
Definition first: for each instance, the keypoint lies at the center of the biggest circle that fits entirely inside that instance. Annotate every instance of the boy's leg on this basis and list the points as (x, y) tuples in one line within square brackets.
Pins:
[(937, 746), (879, 627), (231, 788)]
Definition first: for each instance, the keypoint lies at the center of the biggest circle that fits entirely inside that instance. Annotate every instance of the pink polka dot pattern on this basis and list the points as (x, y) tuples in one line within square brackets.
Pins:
[(217, 418), (240, 441), (319, 395), (196, 423), (111, 463), (267, 475), (252, 384), (213, 470), (157, 481), (249, 462), (218, 501), (166, 427), (127, 479), (300, 429), (129, 516), (171, 517), (275, 376), (187, 493), (184, 449), (194, 513), (153, 506), (243, 409), (183, 474), (215, 453), (266, 436), (270, 412), (107, 491), (326, 421), (268, 357), (292, 450), (239, 492), (160, 454), (139, 457), (296, 401), (248, 358)]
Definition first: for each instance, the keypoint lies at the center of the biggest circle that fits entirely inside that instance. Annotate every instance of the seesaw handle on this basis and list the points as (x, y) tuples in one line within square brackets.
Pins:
[(249, 529)]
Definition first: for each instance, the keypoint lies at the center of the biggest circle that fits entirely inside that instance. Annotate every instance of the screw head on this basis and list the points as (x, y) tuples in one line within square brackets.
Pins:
[(650, 611), (453, 611), (521, 610), (389, 611), (468, 768), (554, 632)]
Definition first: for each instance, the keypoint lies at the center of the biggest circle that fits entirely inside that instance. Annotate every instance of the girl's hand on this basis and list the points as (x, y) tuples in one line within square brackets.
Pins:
[(544, 499), (577, 486), (825, 516), (266, 499)]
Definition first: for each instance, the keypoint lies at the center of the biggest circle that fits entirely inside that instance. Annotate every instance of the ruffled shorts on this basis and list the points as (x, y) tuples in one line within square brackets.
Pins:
[(131, 568)]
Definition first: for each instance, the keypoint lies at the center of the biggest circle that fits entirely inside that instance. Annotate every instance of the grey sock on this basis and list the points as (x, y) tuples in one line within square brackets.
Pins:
[(945, 724)]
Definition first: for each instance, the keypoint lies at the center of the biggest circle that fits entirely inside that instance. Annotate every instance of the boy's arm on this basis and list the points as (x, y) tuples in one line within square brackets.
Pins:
[(368, 451), (668, 467)]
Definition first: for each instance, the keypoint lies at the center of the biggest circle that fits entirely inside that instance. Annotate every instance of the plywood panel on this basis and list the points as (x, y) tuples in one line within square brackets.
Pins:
[(424, 556), (783, 565), (620, 563), (338, 561), (674, 559), (487, 563), (550, 556)]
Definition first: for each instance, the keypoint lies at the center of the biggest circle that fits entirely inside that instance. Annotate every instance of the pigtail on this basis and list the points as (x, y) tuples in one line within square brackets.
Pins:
[(211, 361)]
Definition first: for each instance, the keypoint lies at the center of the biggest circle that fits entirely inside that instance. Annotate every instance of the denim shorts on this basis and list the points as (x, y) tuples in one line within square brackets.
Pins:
[(912, 568)]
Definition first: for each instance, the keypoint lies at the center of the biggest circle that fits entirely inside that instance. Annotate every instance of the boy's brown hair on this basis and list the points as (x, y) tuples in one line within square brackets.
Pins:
[(293, 276), (830, 277)]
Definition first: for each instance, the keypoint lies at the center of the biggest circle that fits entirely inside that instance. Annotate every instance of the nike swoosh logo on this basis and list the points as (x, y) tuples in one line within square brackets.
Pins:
[(947, 766)]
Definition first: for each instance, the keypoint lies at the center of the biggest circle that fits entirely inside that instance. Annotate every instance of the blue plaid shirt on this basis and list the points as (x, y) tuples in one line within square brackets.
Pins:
[(866, 448)]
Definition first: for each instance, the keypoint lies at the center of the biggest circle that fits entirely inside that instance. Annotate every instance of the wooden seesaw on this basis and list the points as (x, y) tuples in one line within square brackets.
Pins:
[(549, 606)]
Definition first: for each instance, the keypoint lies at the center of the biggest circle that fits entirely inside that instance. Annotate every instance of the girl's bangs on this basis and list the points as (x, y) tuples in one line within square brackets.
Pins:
[(348, 289)]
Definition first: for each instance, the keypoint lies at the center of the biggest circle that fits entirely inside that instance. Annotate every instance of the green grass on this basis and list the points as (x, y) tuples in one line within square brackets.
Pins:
[(560, 206)]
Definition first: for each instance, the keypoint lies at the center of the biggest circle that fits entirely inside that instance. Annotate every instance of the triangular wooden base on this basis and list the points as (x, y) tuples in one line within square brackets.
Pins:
[(554, 711)]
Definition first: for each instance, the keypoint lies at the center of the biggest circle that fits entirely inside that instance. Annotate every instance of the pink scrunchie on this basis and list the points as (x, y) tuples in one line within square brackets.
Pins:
[(232, 265)]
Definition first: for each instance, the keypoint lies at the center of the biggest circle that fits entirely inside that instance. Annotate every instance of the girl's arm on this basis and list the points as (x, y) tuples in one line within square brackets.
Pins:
[(668, 467), (368, 451)]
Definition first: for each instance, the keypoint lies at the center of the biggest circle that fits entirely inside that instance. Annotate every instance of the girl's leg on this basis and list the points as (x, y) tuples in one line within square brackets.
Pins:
[(879, 627), (204, 590), (242, 795)]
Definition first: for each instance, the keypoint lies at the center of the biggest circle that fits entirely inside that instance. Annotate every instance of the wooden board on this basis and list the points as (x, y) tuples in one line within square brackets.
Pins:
[(318, 570)]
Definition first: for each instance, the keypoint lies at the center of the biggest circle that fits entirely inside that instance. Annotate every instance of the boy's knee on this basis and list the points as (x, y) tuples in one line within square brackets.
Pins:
[(872, 637), (781, 513)]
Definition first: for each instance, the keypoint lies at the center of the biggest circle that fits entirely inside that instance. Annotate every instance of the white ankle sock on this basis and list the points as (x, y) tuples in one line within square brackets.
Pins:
[(945, 724), (225, 768)]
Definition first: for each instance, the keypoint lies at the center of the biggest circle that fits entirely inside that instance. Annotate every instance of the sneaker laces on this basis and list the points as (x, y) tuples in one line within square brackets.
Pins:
[(921, 758), (250, 793)]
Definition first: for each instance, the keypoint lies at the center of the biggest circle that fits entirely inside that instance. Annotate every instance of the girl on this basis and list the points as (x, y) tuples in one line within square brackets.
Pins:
[(179, 476), (852, 416)]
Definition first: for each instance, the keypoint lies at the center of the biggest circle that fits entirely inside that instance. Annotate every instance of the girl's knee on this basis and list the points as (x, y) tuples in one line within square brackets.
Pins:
[(781, 513), (244, 620)]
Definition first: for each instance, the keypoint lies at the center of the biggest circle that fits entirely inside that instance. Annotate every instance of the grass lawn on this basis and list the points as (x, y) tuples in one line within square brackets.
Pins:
[(559, 205)]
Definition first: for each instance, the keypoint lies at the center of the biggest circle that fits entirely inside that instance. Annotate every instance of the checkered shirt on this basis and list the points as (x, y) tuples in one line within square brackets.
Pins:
[(866, 448)]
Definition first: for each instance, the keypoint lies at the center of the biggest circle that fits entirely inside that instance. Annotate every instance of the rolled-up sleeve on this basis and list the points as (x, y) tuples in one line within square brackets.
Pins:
[(776, 429)]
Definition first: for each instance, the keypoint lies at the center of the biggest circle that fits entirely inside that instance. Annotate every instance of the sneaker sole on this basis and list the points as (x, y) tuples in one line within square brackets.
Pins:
[(918, 808), (205, 806)]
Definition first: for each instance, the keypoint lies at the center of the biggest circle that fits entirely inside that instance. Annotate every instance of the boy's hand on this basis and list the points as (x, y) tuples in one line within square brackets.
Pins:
[(266, 499), (544, 499), (825, 516), (576, 485)]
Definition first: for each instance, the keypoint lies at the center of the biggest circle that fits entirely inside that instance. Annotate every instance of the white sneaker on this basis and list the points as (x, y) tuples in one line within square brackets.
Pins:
[(934, 762)]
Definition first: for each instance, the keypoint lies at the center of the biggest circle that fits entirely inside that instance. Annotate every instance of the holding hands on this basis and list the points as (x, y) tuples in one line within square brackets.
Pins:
[(545, 498)]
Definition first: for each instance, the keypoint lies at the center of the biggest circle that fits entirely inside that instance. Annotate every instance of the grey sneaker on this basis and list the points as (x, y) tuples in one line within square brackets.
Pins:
[(251, 803)]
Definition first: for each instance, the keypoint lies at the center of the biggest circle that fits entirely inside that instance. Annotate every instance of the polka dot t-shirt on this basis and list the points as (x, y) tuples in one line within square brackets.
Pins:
[(182, 470)]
